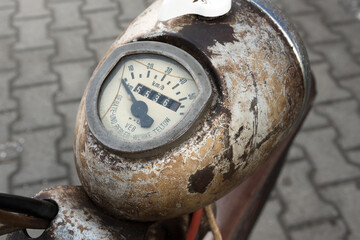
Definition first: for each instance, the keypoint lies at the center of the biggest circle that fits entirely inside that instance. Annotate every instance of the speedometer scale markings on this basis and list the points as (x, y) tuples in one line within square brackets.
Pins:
[(146, 107)]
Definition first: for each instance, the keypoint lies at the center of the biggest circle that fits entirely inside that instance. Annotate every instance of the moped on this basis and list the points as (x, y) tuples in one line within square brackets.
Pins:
[(192, 110)]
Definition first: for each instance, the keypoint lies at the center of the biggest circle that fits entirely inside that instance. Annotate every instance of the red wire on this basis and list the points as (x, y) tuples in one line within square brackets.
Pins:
[(194, 225)]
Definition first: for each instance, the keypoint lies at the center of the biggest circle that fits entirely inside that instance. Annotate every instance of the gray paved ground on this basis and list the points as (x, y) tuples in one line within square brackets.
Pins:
[(48, 49)]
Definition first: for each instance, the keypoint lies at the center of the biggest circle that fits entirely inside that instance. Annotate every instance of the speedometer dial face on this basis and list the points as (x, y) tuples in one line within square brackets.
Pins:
[(145, 96)]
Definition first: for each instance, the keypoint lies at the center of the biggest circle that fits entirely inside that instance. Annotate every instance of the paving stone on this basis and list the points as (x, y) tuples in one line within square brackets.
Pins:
[(354, 156), (268, 225), (36, 106), (295, 153), (5, 120), (30, 9), (295, 6), (74, 78), (326, 87), (66, 14), (341, 62), (39, 149), (303, 203), (332, 11), (329, 162), (68, 158), (6, 103), (347, 120), (329, 230), (5, 26), (353, 85), (7, 3), (352, 7), (30, 189), (71, 45), (123, 24), (10, 150), (130, 9), (351, 31), (103, 24), (34, 67), (69, 111), (298, 28), (6, 168), (6, 62), (314, 57), (346, 197), (314, 120), (101, 47), (96, 5), (27, 38), (317, 31)]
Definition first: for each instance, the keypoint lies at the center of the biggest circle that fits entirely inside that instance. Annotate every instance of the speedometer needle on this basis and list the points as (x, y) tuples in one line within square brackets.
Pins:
[(139, 109)]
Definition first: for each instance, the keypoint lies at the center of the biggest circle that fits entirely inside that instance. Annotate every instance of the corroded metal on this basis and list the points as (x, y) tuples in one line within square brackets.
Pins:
[(239, 210), (261, 87), (78, 218)]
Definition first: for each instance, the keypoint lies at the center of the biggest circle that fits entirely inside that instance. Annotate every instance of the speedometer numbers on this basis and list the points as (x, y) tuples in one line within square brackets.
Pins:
[(145, 96)]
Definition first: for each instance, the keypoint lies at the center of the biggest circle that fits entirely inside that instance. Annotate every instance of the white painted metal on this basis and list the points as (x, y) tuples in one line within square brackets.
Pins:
[(206, 8)]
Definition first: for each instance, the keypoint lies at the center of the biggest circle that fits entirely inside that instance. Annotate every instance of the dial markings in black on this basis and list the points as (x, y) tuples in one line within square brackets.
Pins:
[(175, 86), (182, 99), (178, 93), (182, 106), (168, 83), (162, 79), (140, 75), (155, 77), (182, 113), (132, 75), (139, 109), (148, 74)]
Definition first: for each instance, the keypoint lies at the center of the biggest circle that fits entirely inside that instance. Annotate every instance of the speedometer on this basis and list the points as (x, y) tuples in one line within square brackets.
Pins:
[(147, 96)]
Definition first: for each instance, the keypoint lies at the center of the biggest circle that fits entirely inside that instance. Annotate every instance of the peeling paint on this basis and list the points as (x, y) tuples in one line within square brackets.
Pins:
[(199, 181), (260, 100), (78, 218)]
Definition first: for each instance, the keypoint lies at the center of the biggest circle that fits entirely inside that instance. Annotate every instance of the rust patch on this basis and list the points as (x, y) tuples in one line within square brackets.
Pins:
[(208, 33), (253, 105), (237, 135), (232, 168), (117, 178), (231, 171), (199, 181)]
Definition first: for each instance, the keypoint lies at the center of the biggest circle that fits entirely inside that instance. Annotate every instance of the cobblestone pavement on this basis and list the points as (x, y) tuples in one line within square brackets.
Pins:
[(48, 49)]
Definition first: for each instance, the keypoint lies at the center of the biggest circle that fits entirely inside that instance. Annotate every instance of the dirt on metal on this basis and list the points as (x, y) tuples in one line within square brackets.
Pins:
[(259, 94), (78, 218)]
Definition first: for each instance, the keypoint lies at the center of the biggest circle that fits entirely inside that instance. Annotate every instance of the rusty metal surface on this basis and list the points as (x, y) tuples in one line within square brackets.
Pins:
[(78, 218), (260, 98), (293, 39), (239, 210)]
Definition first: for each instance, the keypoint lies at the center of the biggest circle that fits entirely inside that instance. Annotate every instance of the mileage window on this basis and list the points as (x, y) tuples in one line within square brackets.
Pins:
[(157, 97)]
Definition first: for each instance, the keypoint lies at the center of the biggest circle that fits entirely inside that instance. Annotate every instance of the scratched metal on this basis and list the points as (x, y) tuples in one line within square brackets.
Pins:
[(261, 90), (78, 218)]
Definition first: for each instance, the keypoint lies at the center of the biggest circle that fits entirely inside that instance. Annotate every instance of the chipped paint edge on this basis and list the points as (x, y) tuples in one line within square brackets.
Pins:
[(293, 38)]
